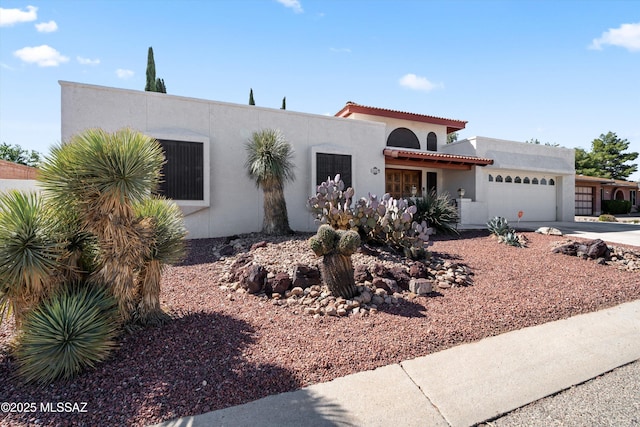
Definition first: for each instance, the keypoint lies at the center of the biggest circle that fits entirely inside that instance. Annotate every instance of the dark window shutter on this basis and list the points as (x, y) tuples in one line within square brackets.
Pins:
[(432, 182), (328, 165), (183, 172)]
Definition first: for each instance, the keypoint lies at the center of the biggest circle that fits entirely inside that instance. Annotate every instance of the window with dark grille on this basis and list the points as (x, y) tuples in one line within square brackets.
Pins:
[(403, 137), (432, 142), (328, 165), (183, 172)]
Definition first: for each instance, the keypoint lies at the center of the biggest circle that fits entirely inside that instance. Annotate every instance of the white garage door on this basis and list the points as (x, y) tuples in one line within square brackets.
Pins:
[(535, 196)]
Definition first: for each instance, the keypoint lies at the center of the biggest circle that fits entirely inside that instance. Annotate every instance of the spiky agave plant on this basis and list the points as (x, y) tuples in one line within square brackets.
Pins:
[(438, 212), (102, 175), (29, 253), (168, 247), (69, 332)]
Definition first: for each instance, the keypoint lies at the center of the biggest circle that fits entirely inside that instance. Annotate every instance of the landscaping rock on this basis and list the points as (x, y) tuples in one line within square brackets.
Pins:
[(226, 250), (420, 286), (418, 270), (549, 231), (388, 285), (401, 277), (260, 244), (280, 283), (361, 273), (253, 278), (305, 276)]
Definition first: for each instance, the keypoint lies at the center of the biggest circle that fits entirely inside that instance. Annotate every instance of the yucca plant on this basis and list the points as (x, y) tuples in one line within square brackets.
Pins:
[(168, 247), (102, 175), (30, 252), (72, 330), (438, 211), (269, 165)]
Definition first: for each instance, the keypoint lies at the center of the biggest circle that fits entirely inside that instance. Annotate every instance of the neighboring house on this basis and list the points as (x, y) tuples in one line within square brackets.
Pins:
[(592, 190), (375, 150), (14, 176)]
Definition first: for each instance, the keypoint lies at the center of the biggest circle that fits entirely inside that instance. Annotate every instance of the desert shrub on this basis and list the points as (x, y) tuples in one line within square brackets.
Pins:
[(437, 211), (386, 220), (67, 333), (607, 218), (614, 207), (500, 227)]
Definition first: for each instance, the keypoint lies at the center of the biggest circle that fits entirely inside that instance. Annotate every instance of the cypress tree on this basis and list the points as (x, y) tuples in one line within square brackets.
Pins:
[(284, 103), (251, 101), (160, 87), (151, 72)]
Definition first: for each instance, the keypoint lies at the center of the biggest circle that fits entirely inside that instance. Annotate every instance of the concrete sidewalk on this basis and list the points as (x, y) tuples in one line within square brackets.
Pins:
[(461, 386)]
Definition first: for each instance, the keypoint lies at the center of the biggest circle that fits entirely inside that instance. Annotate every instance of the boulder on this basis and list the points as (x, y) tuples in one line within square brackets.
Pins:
[(280, 283), (305, 276), (420, 286), (418, 270), (361, 273), (549, 231), (401, 277), (253, 278), (388, 285), (260, 244)]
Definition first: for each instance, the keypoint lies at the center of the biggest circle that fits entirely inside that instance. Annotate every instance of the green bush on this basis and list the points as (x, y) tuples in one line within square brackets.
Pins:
[(607, 218), (614, 207), (67, 333), (438, 211)]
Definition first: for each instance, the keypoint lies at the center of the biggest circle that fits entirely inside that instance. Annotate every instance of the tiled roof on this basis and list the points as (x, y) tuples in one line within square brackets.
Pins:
[(441, 158), (352, 107), (606, 181)]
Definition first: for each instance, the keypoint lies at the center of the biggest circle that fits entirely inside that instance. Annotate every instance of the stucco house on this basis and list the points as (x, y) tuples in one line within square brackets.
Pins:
[(376, 150), (591, 191)]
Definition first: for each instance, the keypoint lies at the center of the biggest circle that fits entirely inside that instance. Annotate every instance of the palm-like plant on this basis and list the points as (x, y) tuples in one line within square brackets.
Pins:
[(102, 175), (29, 253), (269, 163), (168, 247)]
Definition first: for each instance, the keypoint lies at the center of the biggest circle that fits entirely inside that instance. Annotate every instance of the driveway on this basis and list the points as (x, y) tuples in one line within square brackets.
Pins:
[(612, 232)]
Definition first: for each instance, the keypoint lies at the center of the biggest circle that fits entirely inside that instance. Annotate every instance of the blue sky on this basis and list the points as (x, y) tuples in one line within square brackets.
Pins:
[(557, 71)]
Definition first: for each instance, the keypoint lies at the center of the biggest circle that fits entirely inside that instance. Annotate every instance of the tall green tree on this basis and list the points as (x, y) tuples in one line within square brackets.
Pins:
[(537, 142), (284, 103), (16, 154), (151, 72), (269, 164), (607, 159), (452, 137), (160, 87), (251, 101)]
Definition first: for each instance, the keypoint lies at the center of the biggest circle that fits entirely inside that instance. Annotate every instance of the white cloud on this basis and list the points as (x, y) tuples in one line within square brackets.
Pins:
[(124, 74), (47, 27), (292, 4), (414, 82), (44, 56), (9, 17), (627, 36), (87, 61), (340, 50), (5, 66)]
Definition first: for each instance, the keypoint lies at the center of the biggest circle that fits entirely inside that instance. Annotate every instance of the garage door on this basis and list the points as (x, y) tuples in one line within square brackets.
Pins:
[(535, 196), (584, 200)]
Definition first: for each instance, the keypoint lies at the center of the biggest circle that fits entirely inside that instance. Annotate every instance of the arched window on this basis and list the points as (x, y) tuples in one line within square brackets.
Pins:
[(517, 180), (499, 178), (432, 142), (543, 181), (403, 137), (490, 178), (552, 182), (619, 195), (526, 180), (534, 181), (508, 179)]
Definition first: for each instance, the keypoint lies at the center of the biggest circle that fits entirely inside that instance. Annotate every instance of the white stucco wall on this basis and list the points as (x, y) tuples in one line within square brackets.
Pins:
[(511, 158), (234, 203), (19, 184)]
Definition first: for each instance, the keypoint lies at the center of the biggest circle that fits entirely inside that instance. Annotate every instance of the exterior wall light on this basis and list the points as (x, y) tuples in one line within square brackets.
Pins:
[(375, 170)]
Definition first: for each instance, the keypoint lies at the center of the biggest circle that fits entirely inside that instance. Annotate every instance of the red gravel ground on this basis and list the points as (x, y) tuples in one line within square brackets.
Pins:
[(219, 352)]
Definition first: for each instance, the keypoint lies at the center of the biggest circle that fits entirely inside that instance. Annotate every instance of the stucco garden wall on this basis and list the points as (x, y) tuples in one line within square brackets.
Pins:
[(232, 203)]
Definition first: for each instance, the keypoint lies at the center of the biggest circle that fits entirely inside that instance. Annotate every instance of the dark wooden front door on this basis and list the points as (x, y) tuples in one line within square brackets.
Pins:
[(399, 182)]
